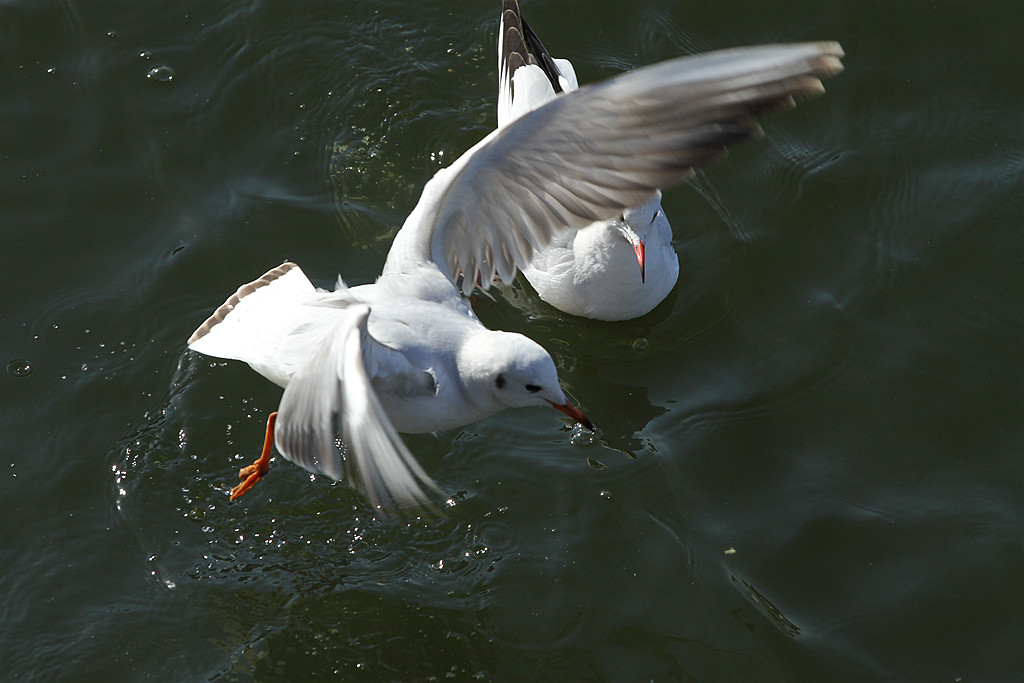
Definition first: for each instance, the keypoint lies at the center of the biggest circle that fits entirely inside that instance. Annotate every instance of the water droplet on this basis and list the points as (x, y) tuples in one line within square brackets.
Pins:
[(640, 345), (595, 464), (582, 436), (51, 70), (19, 367), (145, 54), (161, 74)]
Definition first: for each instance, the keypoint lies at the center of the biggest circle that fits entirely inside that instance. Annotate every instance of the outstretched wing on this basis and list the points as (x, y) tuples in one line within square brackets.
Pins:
[(587, 155), (332, 395)]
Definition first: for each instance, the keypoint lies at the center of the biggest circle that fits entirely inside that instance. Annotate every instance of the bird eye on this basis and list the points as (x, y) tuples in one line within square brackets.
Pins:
[(499, 381), (532, 388), (655, 217)]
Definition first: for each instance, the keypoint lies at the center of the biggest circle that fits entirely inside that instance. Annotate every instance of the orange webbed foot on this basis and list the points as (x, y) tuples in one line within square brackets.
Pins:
[(254, 472), (251, 474)]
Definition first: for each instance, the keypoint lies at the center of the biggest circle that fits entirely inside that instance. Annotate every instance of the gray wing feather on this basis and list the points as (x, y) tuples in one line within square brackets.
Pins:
[(588, 155)]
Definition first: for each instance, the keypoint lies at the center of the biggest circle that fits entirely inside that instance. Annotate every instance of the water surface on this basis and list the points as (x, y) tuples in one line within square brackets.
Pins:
[(809, 460)]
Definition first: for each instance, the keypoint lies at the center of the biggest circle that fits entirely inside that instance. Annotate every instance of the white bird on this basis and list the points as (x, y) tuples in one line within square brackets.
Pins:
[(406, 353), (614, 269)]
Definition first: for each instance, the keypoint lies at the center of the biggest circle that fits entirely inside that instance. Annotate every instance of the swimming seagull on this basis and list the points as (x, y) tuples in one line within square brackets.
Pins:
[(406, 353), (614, 269)]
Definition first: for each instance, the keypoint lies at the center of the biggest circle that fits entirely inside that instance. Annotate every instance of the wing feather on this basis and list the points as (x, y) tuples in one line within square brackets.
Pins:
[(332, 395), (588, 155)]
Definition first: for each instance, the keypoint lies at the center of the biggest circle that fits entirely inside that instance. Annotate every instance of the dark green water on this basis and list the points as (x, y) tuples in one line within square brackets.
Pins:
[(809, 466)]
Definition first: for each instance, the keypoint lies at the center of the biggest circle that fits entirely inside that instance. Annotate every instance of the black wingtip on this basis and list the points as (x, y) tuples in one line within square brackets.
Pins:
[(541, 55), (522, 46)]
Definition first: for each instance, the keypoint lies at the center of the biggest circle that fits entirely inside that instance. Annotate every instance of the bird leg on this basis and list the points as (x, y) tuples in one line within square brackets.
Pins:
[(254, 472)]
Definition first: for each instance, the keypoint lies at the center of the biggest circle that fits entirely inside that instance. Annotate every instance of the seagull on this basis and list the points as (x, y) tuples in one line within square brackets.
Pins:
[(615, 269), (406, 353)]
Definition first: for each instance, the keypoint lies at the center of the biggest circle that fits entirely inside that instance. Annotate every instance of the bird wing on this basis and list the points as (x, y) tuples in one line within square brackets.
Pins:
[(588, 155), (332, 394), (255, 321), (527, 74)]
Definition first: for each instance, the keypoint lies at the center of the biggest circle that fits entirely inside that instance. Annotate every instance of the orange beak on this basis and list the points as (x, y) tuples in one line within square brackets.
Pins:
[(573, 412), (638, 249)]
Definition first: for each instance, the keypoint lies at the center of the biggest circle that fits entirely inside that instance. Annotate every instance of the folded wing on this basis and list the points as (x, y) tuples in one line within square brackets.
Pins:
[(528, 76)]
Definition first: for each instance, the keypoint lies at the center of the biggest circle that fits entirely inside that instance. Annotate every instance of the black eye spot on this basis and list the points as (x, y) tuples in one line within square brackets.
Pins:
[(655, 216), (499, 381), (532, 388)]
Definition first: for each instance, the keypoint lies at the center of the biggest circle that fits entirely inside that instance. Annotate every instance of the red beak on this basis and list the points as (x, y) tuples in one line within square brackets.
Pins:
[(573, 412), (638, 248)]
